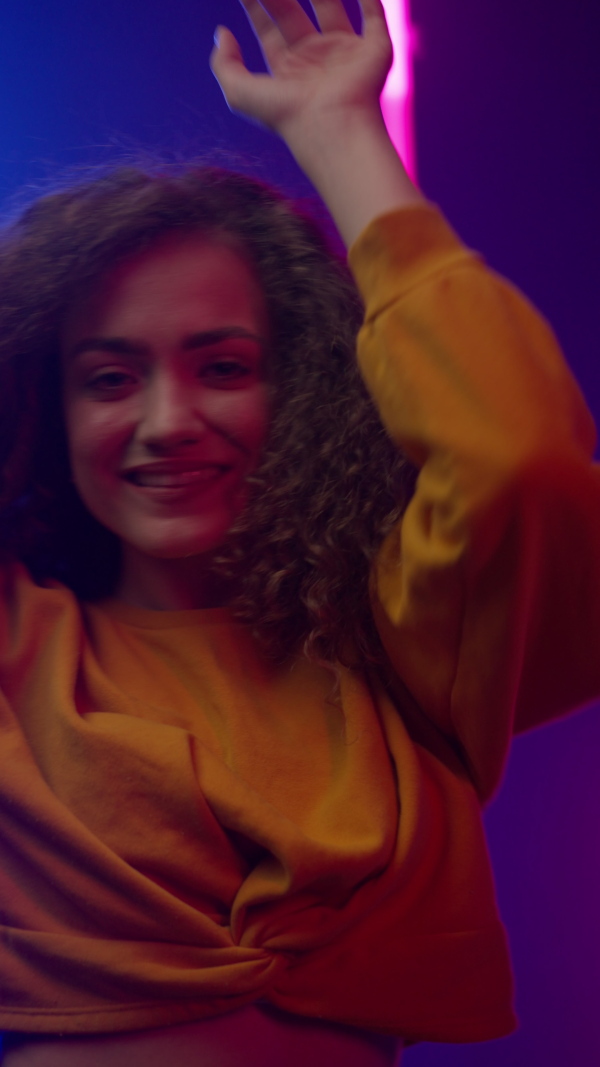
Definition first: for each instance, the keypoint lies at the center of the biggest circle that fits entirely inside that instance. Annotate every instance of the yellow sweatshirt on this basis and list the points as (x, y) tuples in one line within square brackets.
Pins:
[(186, 828)]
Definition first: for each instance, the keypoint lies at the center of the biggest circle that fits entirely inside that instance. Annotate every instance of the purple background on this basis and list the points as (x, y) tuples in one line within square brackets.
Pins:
[(507, 109)]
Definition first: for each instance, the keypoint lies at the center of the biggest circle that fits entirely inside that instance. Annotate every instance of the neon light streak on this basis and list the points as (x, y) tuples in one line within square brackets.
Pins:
[(396, 98)]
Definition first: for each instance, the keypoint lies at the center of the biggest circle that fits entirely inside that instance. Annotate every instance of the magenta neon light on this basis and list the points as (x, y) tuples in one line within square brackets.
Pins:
[(396, 98)]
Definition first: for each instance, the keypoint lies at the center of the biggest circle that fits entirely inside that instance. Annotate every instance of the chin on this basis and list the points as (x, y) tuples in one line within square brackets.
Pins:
[(175, 548)]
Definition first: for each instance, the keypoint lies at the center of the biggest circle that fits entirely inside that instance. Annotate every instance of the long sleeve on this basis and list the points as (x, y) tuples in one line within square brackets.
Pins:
[(487, 596)]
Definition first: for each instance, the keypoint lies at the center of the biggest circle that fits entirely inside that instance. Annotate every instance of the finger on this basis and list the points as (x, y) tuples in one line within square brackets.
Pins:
[(226, 56), (246, 93), (243, 91), (267, 33), (285, 15), (331, 16), (373, 17)]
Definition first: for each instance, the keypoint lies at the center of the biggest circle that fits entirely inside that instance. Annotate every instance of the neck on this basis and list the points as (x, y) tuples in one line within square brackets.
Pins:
[(169, 584)]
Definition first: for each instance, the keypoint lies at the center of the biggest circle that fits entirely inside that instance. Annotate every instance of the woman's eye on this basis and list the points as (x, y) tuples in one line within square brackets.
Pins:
[(225, 372), (109, 381)]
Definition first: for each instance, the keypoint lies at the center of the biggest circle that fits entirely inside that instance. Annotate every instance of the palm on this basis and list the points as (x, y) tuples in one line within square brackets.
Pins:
[(310, 72), (330, 69)]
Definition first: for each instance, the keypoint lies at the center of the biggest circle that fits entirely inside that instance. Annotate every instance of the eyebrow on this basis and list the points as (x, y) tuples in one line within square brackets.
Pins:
[(203, 339)]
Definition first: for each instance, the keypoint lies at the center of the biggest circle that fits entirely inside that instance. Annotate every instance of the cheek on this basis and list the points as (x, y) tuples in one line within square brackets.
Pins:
[(95, 434), (258, 423), (245, 417)]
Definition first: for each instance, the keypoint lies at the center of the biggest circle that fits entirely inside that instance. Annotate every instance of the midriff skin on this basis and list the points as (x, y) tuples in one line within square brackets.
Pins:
[(254, 1036)]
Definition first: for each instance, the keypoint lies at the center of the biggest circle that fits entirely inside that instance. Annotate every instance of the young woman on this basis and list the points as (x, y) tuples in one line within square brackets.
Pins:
[(254, 687)]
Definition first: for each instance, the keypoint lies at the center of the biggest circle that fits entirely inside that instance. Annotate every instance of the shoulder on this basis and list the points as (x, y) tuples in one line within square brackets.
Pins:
[(30, 611)]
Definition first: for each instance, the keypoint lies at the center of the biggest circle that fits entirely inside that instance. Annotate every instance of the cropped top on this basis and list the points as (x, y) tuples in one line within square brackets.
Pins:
[(186, 828)]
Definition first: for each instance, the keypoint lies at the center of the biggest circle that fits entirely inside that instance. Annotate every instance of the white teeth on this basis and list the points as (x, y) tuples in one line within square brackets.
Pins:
[(172, 479)]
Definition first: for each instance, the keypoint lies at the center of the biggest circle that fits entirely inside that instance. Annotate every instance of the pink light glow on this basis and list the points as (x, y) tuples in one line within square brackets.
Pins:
[(396, 98)]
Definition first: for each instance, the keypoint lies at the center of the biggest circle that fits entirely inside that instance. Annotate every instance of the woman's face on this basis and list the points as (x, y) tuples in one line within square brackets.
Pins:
[(165, 395)]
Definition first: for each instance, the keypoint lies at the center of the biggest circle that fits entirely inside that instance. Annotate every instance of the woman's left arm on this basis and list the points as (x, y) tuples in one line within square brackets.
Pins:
[(488, 594)]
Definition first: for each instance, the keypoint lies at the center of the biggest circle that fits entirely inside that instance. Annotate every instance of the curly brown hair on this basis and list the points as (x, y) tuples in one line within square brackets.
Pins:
[(330, 484)]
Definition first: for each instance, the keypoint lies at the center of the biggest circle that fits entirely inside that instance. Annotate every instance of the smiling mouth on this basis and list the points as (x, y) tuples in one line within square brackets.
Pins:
[(173, 479)]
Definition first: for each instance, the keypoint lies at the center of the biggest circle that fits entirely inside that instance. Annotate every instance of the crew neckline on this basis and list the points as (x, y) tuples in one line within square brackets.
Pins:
[(155, 619)]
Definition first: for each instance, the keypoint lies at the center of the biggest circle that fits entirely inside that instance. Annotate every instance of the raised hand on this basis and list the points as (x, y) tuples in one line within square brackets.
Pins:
[(322, 96), (314, 76)]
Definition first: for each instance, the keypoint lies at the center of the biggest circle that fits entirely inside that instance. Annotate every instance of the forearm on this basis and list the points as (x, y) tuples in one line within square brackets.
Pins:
[(354, 167)]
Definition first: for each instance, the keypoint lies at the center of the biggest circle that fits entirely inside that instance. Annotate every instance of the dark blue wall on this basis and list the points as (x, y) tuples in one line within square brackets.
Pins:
[(507, 111), (83, 81)]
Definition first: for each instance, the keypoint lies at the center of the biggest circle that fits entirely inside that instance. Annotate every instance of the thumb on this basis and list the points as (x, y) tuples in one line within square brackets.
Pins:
[(244, 92), (226, 61)]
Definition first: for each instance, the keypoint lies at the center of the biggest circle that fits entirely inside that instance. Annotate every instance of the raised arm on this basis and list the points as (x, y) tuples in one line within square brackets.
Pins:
[(487, 596), (322, 98)]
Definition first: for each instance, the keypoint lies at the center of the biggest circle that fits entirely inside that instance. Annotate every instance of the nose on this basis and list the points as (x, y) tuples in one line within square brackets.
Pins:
[(170, 415)]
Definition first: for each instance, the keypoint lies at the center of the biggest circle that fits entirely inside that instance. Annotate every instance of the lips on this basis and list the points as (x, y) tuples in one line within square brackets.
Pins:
[(160, 478)]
